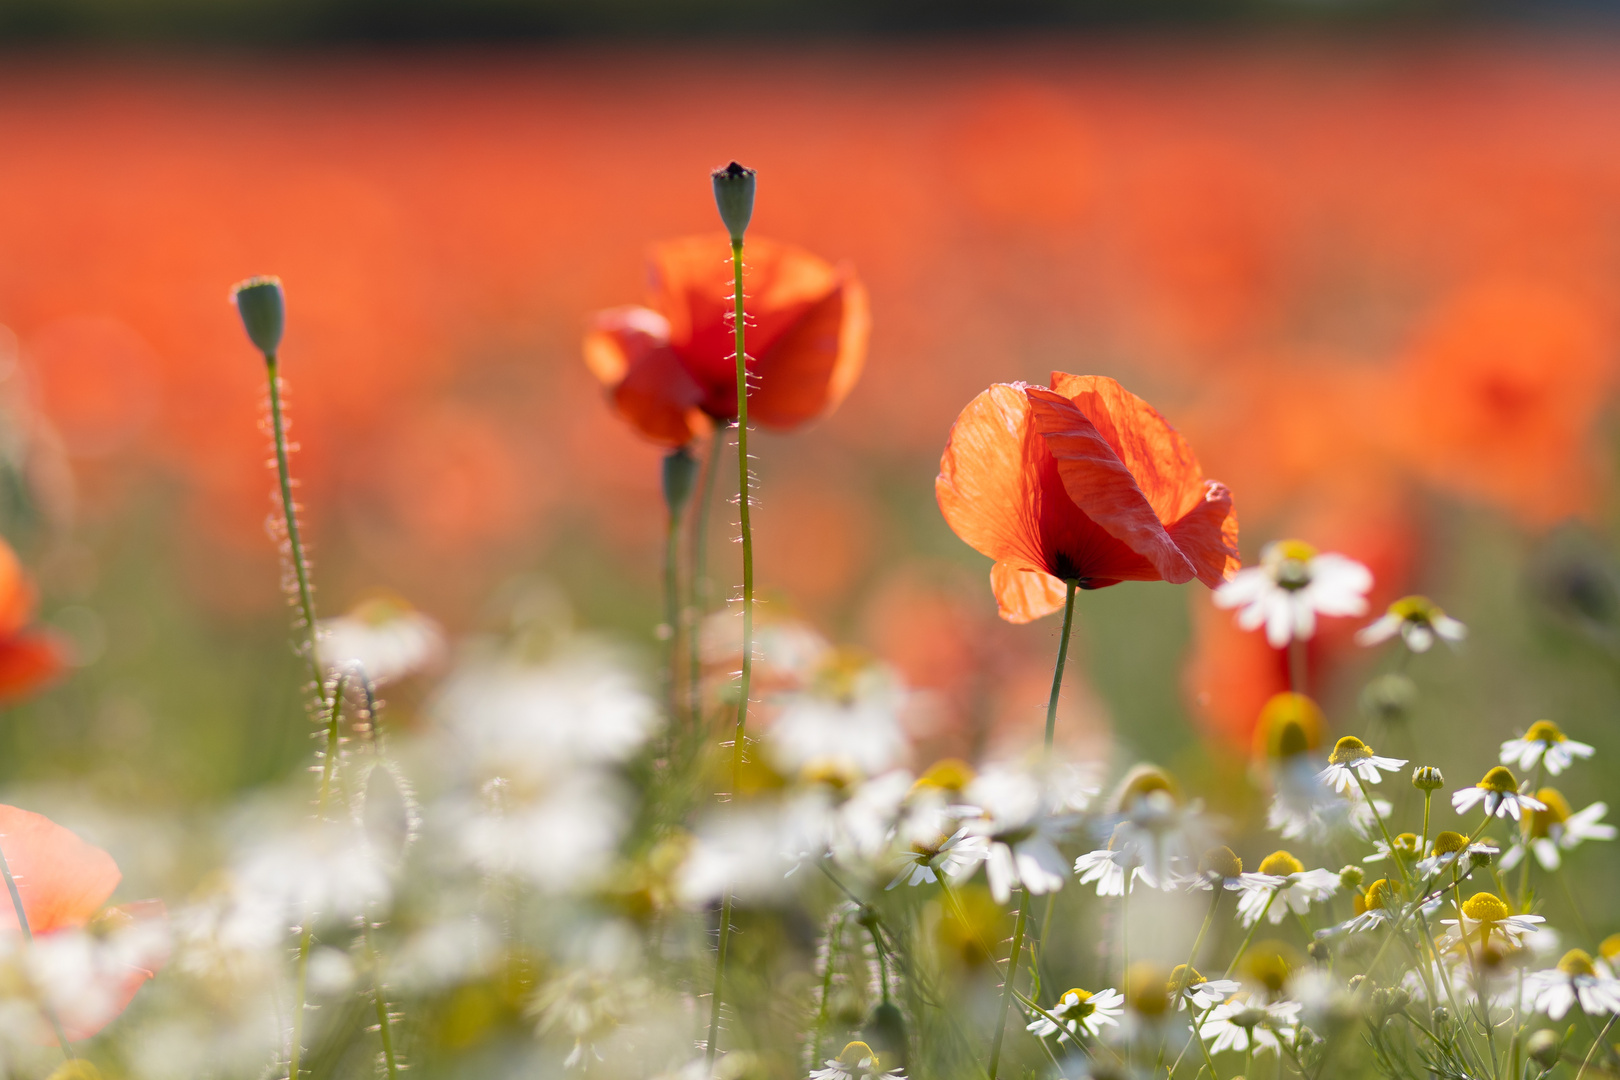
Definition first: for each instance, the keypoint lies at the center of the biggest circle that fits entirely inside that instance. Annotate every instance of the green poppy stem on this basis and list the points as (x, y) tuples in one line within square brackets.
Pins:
[(1062, 661)]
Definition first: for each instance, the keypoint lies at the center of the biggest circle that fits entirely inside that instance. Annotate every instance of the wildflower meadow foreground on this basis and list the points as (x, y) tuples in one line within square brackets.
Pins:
[(737, 866)]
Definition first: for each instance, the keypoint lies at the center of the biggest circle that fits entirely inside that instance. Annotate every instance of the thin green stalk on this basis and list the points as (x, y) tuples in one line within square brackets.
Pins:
[(835, 933), (306, 937), (1248, 939), (744, 497), (1007, 987), (672, 618), (1428, 797), (1524, 840), (1062, 660), (1192, 961), (1394, 857), (28, 938), (699, 582), (1593, 1048), (289, 510)]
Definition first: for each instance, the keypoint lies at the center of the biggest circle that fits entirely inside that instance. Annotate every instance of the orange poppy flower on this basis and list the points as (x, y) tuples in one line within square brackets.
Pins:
[(1081, 482), (64, 883), (669, 365), (30, 659)]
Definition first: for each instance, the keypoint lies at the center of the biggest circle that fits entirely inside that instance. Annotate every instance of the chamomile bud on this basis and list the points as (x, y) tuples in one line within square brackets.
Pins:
[(1351, 877), (1542, 1048), (1220, 862), (1441, 1018), (263, 310), (1428, 778), (734, 195)]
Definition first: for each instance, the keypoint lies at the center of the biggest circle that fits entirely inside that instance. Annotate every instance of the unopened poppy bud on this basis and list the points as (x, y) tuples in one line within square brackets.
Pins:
[(1543, 1048), (680, 475), (1427, 778), (264, 313), (734, 195), (1351, 877)]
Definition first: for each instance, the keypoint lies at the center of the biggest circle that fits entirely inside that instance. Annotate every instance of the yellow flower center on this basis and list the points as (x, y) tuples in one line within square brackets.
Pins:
[(1081, 1005), (1577, 962), (1484, 907), (1269, 963), (1348, 750), (1544, 731), (1610, 948), (1290, 724), (1415, 609), (858, 1055), (838, 674), (1380, 895), (1500, 780), (1289, 562), (1143, 781), (1184, 977), (1221, 861), (1145, 989), (1557, 812), (947, 774), (1406, 844), (1281, 864), (1446, 843)]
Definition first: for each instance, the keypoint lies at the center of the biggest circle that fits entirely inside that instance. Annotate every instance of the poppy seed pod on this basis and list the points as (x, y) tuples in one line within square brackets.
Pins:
[(264, 312), (734, 195), (680, 474)]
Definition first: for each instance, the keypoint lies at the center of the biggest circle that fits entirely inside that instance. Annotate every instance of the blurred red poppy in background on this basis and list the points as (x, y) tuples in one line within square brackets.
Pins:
[(668, 365), (30, 659), (1082, 482)]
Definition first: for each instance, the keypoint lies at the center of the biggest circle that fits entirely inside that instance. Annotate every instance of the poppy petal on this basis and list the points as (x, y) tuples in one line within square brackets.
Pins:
[(984, 489), (1101, 485), (1208, 535), (628, 350), (29, 662), (94, 975), (16, 593), (810, 368), (62, 880), (1156, 455), (1025, 593)]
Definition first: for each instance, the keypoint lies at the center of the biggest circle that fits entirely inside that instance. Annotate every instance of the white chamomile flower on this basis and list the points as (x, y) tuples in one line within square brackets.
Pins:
[(1485, 915), (1352, 758), (1418, 620), (1499, 791), (1554, 829), (1544, 744), (1246, 1023), (1160, 830), (1575, 979), (1292, 586), (857, 1061), (1219, 867), (1022, 826), (384, 637), (1282, 885), (1079, 1010), (1374, 907), (1192, 991), (957, 856), (1450, 847)]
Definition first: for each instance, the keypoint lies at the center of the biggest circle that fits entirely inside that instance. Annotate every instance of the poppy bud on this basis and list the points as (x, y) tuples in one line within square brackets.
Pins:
[(680, 472), (1543, 1048), (734, 195), (264, 313)]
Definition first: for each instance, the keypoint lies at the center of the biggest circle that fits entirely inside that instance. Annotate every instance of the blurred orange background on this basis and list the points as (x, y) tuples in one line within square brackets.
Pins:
[(1356, 274)]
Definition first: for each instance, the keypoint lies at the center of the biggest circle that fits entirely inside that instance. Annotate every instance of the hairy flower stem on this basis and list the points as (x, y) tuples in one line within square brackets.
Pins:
[(289, 511), (835, 934), (306, 937), (1012, 974), (698, 583), (1062, 661), (28, 939), (744, 497)]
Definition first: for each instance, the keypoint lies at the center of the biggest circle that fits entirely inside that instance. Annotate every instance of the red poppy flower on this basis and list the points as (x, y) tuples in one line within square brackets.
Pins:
[(30, 659), (668, 365), (1082, 482), (87, 960)]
